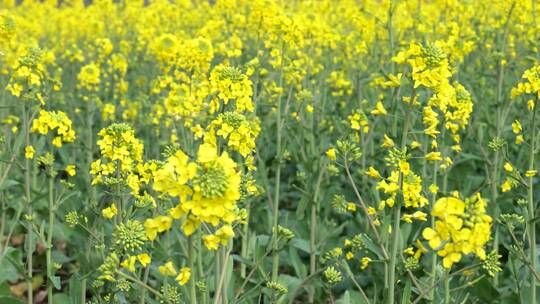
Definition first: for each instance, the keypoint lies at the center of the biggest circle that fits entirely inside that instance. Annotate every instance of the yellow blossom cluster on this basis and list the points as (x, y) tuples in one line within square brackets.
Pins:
[(461, 228), (207, 188), (58, 121)]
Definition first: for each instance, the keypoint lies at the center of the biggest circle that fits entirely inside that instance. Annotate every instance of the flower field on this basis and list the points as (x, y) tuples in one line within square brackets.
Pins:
[(269, 151)]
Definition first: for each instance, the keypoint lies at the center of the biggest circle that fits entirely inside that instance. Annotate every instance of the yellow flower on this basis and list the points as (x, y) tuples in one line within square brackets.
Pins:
[(129, 263), (507, 185), (417, 215), (156, 225), (404, 167), (379, 109), (309, 108), (331, 153), (211, 242), (409, 251), (351, 207), (387, 142), (372, 172), (109, 212), (508, 167), (365, 262), (516, 127), (415, 144), (430, 235), (144, 259), (167, 269), (29, 152), (434, 156), (70, 170), (530, 173), (183, 276), (349, 255)]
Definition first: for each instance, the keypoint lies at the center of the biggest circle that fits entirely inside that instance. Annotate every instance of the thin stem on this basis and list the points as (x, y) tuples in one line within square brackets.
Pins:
[(313, 232), (531, 226), (191, 263), (364, 208), (275, 253), (50, 266), (30, 211), (220, 284), (396, 219), (433, 255), (447, 289), (140, 283), (245, 241)]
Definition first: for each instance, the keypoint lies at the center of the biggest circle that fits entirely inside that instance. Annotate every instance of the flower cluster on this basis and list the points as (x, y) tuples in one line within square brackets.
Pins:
[(461, 228), (238, 130), (58, 121), (120, 150), (229, 83), (207, 188)]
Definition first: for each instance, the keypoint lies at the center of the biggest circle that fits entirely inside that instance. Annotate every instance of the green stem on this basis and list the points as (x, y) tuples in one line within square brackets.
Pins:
[(140, 283), (50, 266), (29, 249), (396, 218), (531, 227), (191, 263), (145, 281), (447, 289), (433, 255), (275, 213), (313, 232), (245, 241)]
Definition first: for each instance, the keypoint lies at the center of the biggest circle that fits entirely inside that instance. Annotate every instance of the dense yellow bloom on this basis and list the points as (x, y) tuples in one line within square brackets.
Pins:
[(230, 83), (238, 130), (89, 77), (54, 121), (530, 85), (208, 189), (120, 152), (462, 227)]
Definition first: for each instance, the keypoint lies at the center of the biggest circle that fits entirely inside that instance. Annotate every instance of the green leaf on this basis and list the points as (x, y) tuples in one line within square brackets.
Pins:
[(61, 298), (75, 289), (55, 280), (346, 299), (8, 184), (299, 267), (4, 290), (300, 244), (406, 298), (485, 291), (9, 300), (371, 246)]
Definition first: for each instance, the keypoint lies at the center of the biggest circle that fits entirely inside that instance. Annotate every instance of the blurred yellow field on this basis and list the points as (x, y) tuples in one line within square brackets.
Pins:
[(269, 151)]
